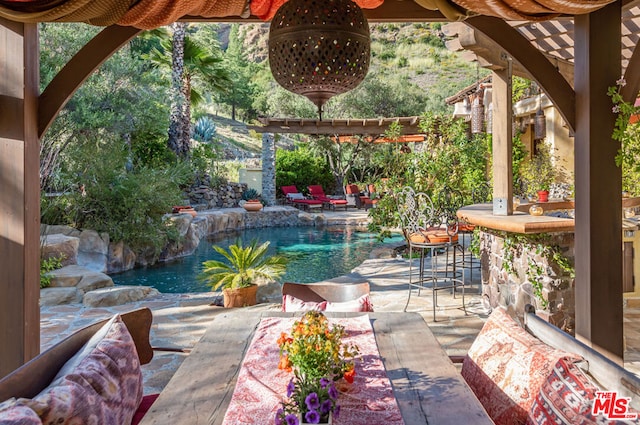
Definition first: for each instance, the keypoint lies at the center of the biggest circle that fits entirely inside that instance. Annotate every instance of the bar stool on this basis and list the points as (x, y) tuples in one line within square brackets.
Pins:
[(430, 234)]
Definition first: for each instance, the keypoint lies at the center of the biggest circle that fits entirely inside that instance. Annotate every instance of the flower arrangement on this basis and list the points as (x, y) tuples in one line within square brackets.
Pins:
[(316, 355), (313, 399), (315, 350)]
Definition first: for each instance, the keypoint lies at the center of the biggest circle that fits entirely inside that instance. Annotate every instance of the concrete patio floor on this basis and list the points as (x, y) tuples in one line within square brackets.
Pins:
[(179, 320)]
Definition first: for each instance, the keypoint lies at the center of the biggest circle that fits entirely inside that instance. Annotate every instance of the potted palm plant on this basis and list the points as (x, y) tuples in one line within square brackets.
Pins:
[(238, 274)]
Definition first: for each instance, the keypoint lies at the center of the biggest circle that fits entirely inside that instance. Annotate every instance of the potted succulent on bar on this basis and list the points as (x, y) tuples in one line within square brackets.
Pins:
[(538, 173), (237, 276), (317, 356)]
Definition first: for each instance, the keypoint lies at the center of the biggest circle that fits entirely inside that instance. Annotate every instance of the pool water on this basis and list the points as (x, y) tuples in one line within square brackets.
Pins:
[(314, 254)]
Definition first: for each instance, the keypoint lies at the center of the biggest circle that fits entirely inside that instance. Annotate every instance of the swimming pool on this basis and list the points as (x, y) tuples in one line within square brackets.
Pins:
[(314, 254)]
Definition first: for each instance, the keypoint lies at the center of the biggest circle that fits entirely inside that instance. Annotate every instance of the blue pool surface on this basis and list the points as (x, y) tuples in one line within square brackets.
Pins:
[(314, 254)]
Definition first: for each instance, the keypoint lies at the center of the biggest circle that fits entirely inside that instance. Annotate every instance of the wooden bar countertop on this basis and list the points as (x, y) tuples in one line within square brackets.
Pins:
[(519, 222)]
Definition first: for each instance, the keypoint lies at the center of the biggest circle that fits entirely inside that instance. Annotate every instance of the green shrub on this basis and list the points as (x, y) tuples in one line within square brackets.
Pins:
[(302, 168), (129, 206), (48, 265)]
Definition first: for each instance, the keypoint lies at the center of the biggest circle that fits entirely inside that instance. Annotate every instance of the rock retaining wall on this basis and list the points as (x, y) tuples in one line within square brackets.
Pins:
[(202, 196), (514, 286)]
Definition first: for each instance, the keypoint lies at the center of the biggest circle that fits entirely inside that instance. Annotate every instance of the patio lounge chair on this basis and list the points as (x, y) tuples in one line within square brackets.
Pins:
[(357, 198), (317, 192), (298, 200)]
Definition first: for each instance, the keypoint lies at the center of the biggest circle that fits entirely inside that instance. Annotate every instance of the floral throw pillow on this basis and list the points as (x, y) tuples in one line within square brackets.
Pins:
[(13, 413), (362, 304), (506, 367), (292, 304), (567, 397), (105, 386)]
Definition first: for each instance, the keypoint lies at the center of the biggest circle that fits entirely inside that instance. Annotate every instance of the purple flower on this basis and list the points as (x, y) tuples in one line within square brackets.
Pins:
[(615, 109), (291, 419), (312, 417), (279, 415), (291, 387), (336, 411), (324, 382), (312, 401), (621, 82), (333, 392), (325, 407)]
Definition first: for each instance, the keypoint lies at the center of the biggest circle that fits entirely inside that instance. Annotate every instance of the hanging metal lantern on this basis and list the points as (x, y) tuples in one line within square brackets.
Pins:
[(319, 48), (490, 119), (477, 115), (540, 125)]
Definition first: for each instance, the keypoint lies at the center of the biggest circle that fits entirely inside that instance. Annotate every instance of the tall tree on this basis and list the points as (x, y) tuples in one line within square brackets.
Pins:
[(192, 63), (178, 140), (242, 89)]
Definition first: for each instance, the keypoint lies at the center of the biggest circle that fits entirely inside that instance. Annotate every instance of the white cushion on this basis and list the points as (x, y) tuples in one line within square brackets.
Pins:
[(295, 196)]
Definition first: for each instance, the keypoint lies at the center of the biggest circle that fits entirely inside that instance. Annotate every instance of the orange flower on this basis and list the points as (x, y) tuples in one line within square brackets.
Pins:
[(284, 364), (349, 375)]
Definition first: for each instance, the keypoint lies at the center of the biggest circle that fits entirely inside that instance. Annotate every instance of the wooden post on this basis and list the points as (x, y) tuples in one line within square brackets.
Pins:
[(598, 183), (19, 195), (502, 141)]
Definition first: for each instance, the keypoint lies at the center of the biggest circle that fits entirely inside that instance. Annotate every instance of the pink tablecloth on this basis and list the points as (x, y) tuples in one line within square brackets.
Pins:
[(261, 386)]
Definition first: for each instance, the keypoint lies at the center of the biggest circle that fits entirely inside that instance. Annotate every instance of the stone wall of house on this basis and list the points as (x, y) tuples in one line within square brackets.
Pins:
[(514, 289), (202, 196)]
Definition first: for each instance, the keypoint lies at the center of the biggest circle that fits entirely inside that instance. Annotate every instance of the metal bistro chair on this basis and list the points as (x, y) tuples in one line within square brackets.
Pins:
[(429, 232), (448, 202)]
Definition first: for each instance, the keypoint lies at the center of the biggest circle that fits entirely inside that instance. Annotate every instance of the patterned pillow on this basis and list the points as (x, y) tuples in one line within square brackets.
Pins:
[(13, 413), (105, 387), (362, 304), (292, 304), (567, 397), (506, 367)]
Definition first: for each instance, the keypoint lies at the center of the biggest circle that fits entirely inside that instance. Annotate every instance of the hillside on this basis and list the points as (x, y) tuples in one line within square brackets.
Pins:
[(411, 56), (415, 50)]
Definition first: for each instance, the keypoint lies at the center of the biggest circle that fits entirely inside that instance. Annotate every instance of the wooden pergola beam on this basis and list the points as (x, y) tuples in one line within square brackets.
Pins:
[(365, 126), (542, 71), (598, 182), (19, 195)]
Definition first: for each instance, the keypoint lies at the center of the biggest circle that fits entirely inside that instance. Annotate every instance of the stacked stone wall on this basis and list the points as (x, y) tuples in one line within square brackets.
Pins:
[(202, 196), (513, 287)]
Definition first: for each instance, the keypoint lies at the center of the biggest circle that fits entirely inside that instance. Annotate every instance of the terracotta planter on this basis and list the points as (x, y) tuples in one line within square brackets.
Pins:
[(543, 196), (252, 205), (240, 297)]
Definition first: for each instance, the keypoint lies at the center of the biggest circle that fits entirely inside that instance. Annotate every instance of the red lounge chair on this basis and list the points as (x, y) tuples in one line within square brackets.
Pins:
[(317, 192), (357, 199), (295, 198)]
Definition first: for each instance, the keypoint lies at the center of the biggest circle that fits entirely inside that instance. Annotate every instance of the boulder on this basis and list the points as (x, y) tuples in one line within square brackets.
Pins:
[(80, 278), (57, 245), (121, 258), (182, 222), (93, 250), (117, 295), (56, 296), (52, 229)]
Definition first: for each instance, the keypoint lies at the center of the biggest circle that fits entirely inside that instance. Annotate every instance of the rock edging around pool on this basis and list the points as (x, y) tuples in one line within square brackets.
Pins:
[(92, 255)]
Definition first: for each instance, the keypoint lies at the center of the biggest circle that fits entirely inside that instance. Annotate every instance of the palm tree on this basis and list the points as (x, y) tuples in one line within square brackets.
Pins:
[(190, 62), (243, 266)]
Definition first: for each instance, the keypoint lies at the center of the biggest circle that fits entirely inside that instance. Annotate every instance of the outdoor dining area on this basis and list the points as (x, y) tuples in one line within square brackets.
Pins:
[(402, 373)]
